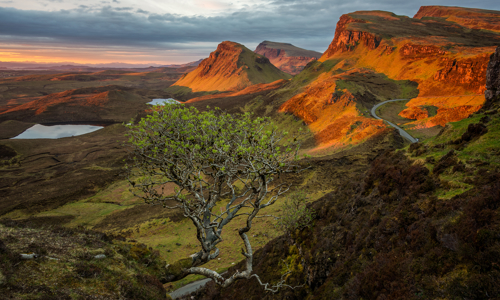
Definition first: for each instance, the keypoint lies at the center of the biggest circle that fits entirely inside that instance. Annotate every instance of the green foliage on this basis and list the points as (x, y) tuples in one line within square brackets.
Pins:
[(180, 144), (295, 216), (211, 157)]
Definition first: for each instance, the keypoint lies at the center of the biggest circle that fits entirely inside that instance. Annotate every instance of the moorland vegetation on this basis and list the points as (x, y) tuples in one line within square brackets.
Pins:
[(391, 220)]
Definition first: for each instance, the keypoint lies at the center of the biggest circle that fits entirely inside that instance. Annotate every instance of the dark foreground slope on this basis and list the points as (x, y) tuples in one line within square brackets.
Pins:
[(75, 264), (420, 223)]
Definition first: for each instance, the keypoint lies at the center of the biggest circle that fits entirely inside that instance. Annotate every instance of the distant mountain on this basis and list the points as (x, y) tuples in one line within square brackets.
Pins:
[(69, 66), (190, 64), (467, 17), (438, 57), (287, 57), (231, 67)]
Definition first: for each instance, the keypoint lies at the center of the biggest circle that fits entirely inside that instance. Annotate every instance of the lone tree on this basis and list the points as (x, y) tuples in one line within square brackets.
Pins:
[(213, 158)]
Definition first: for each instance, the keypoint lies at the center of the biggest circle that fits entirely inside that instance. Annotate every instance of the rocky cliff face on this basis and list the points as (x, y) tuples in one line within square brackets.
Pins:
[(223, 61), (286, 57), (492, 93), (442, 55), (346, 40), (231, 67), (334, 113), (468, 73)]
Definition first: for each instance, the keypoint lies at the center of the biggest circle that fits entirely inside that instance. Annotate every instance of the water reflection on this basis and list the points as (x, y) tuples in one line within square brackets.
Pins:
[(55, 132), (163, 101)]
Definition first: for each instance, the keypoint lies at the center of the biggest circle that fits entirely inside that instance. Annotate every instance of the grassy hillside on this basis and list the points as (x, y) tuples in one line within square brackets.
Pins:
[(377, 56), (420, 223)]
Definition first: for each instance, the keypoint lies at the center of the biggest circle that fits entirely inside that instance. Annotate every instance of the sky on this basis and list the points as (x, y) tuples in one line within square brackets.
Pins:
[(159, 32)]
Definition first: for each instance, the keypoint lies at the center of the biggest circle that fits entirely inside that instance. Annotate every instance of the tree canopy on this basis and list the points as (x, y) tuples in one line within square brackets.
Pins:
[(214, 158)]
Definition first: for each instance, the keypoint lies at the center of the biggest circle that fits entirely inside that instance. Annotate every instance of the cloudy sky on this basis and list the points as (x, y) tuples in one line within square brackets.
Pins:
[(156, 32)]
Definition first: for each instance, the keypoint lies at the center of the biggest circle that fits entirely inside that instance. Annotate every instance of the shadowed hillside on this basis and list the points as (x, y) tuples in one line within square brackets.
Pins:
[(287, 57)]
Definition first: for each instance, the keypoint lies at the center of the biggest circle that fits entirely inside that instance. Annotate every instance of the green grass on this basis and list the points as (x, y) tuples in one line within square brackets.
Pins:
[(484, 150), (258, 72), (431, 110), (86, 213)]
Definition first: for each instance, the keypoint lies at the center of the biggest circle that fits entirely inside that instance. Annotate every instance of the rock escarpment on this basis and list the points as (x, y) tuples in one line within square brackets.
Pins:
[(492, 93), (231, 67), (469, 73), (467, 17), (346, 40), (444, 57), (287, 57)]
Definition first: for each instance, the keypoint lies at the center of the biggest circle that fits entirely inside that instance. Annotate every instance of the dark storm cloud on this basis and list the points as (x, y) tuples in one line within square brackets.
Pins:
[(308, 24)]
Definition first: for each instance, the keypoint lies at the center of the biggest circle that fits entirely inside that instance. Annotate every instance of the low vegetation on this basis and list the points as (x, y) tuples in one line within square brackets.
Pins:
[(75, 263), (421, 223)]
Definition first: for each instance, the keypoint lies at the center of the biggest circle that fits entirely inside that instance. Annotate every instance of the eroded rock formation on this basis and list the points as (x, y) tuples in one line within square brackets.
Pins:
[(492, 93), (467, 17), (346, 40), (469, 73)]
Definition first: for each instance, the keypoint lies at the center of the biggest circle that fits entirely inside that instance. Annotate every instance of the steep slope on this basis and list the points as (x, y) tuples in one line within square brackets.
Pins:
[(231, 67), (419, 223), (442, 58), (287, 57)]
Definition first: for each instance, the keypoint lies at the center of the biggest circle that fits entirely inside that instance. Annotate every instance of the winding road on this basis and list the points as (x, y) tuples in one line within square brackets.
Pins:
[(403, 133), (194, 286)]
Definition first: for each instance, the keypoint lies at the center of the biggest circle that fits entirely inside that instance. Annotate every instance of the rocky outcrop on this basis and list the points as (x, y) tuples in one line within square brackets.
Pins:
[(231, 67), (469, 73), (287, 57), (222, 61), (346, 40), (411, 50), (492, 93)]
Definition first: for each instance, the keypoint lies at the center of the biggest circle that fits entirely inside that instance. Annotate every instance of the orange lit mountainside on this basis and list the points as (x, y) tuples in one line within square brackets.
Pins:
[(467, 17), (231, 67), (373, 49), (287, 57)]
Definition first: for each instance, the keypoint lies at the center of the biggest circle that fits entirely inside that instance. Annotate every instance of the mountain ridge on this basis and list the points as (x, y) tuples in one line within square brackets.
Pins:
[(287, 57), (442, 58), (230, 67)]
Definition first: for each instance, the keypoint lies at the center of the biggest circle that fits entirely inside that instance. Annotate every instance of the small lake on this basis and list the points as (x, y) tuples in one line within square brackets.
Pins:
[(163, 101), (56, 131)]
